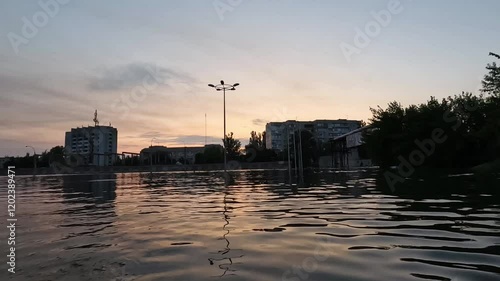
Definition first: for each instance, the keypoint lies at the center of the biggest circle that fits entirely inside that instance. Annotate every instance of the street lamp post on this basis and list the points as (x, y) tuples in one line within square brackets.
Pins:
[(223, 87), (34, 155)]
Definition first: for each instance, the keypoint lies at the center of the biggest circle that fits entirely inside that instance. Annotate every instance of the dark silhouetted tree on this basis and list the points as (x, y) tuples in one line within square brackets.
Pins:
[(469, 124), (256, 140), (255, 150), (232, 146), (211, 154), (491, 81)]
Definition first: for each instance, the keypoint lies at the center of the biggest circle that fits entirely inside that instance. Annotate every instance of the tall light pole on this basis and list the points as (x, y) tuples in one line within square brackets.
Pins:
[(223, 87), (34, 155)]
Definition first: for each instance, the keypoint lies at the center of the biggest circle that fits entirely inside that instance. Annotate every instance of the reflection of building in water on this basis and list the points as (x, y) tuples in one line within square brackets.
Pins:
[(225, 259), (89, 212), (101, 188)]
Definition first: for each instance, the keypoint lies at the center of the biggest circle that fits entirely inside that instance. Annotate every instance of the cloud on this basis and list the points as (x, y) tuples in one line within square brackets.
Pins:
[(196, 139), (259, 122), (30, 103), (136, 74), (178, 140), (152, 134)]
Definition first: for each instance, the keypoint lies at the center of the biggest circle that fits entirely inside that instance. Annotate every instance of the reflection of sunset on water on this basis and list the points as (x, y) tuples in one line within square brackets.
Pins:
[(190, 226)]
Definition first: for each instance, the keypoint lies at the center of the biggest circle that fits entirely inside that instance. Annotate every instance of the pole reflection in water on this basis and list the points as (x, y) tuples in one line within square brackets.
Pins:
[(225, 261)]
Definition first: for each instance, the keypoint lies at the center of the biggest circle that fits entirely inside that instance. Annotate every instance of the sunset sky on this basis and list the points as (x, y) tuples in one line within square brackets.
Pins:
[(286, 55)]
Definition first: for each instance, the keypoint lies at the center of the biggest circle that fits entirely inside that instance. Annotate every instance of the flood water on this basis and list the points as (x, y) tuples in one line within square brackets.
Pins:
[(185, 226)]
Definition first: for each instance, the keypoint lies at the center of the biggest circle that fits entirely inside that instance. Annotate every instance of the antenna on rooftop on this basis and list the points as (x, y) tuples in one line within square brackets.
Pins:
[(96, 121)]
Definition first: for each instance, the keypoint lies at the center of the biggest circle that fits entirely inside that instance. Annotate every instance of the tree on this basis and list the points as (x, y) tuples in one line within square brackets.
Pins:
[(491, 81), (10, 162), (232, 146), (469, 125), (254, 154), (264, 140), (20, 162), (255, 150), (199, 158), (45, 159), (56, 154), (256, 140), (211, 154)]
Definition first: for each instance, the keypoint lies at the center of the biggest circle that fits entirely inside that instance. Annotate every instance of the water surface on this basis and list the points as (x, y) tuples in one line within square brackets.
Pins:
[(185, 226)]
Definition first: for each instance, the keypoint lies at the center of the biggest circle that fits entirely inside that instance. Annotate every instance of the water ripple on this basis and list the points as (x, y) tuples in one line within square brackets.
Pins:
[(185, 226)]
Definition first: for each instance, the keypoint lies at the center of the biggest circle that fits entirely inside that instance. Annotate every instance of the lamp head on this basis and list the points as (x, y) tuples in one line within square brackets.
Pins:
[(222, 82), (211, 85), (236, 84)]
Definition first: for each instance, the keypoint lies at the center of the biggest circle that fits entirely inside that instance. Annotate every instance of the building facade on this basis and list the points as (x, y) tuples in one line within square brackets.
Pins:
[(162, 155), (349, 150), (96, 145), (275, 135), (322, 130), (185, 154)]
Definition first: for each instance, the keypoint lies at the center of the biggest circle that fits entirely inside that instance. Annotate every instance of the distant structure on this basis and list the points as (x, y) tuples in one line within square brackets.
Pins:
[(322, 130), (162, 155), (97, 145), (155, 155), (96, 121), (188, 154), (348, 151)]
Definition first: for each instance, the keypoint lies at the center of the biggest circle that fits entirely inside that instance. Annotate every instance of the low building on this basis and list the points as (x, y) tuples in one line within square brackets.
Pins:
[(185, 155), (162, 155), (348, 151), (155, 155)]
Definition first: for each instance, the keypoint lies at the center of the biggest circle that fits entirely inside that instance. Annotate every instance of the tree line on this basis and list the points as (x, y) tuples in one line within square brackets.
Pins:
[(460, 131), (44, 159), (255, 151)]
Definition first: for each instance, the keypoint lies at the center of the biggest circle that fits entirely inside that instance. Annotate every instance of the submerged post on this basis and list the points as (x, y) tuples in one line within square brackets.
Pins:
[(288, 149)]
